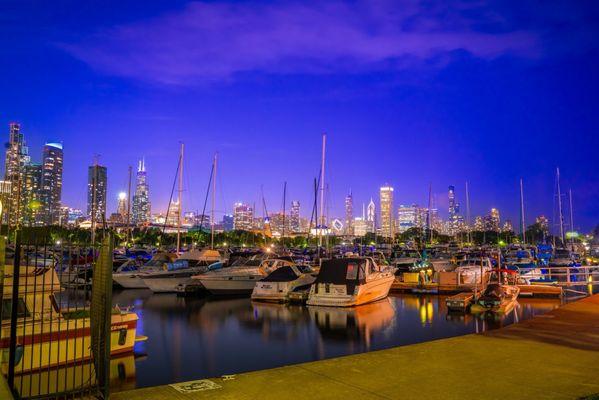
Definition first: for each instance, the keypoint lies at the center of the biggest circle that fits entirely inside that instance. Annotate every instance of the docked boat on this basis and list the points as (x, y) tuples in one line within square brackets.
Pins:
[(128, 275), (44, 328), (241, 277), (498, 297), (473, 270), (179, 273), (346, 282), (279, 284)]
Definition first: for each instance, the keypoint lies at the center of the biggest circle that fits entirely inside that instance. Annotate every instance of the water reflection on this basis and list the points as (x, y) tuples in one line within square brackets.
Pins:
[(192, 338)]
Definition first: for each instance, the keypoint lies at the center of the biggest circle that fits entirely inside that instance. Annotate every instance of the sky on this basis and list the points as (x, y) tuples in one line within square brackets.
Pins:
[(409, 93)]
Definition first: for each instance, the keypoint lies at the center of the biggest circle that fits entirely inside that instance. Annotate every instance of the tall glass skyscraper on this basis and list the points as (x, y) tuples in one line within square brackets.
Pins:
[(141, 198), (51, 183), (386, 193), (97, 181)]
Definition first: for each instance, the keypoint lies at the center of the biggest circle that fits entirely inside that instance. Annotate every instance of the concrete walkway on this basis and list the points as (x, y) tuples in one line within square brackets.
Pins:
[(554, 356)]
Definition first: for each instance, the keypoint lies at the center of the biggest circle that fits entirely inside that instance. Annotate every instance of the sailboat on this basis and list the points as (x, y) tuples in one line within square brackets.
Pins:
[(501, 294)]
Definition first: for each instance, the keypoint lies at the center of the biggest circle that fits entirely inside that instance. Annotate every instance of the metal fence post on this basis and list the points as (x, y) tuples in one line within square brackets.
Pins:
[(14, 311)]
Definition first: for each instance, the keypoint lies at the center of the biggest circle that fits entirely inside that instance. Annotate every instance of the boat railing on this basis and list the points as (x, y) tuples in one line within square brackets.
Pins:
[(566, 276)]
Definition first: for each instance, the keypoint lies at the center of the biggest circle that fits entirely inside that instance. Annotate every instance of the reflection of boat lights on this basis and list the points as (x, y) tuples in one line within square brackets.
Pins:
[(429, 312)]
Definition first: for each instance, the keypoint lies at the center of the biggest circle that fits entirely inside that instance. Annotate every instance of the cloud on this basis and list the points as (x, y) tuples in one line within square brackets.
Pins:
[(206, 42)]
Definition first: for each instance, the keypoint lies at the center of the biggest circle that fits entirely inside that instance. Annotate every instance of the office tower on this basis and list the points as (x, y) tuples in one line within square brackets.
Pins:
[(386, 193), (31, 194), (17, 157), (491, 221), (349, 214), (507, 226), (294, 217), (361, 226), (227, 222), (452, 203), (141, 198), (407, 217), (371, 216), (5, 196), (51, 182), (121, 208), (243, 217), (97, 181), (543, 223), (172, 214)]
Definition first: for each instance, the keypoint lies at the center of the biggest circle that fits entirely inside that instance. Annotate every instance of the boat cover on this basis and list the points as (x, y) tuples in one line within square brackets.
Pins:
[(282, 274), (343, 271)]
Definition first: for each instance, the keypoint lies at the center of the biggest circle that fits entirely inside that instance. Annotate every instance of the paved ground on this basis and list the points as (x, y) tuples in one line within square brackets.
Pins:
[(555, 356)]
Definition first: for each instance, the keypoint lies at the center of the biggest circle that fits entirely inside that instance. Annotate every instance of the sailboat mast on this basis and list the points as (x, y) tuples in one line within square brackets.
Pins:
[(284, 201), (571, 222), (322, 216), (468, 214), (522, 218), (213, 201), (180, 199), (560, 211), (129, 207), (428, 214)]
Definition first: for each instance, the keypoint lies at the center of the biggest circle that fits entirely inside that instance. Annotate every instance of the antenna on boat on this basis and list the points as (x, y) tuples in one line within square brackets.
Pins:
[(214, 164), (560, 210), (284, 201), (180, 198), (571, 222), (468, 227), (522, 218), (129, 207), (322, 186)]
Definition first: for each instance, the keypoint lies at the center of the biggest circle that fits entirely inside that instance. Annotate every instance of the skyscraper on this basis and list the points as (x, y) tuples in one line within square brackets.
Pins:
[(386, 193), (243, 217), (51, 182), (121, 208), (349, 214), (294, 217), (371, 216), (452, 203), (31, 194), (141, 198), (97, 181), (407, 217), (17, 156)]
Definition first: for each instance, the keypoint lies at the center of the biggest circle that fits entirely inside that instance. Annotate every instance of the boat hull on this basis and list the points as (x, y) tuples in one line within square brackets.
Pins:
[(368, 292), (129, 281), (233, 286), (64, 342)]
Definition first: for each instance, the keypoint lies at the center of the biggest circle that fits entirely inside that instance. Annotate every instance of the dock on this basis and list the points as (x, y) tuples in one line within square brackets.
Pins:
[(552, 356)]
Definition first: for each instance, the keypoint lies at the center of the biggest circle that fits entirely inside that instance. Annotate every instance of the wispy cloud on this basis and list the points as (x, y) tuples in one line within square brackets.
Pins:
[(206, 42)]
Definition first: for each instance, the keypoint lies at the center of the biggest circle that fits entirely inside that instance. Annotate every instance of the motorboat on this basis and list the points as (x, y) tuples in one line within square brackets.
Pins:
[(499, 296), (179, 273), (473, 270), (128, 275), (407, 260), (44, 327), (279, 284), (241, 277), (346, 282), (521, 258)]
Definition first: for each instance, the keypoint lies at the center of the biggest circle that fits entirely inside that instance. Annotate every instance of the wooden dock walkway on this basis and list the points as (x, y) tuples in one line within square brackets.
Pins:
[(553, 356)]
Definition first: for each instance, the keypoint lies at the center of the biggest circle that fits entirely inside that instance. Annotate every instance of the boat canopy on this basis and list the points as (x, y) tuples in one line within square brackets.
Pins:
[(283, 274), (343, 271)]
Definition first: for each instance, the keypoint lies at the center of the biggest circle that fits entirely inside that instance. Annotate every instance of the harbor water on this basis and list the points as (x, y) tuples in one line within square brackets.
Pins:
[(195, 338)]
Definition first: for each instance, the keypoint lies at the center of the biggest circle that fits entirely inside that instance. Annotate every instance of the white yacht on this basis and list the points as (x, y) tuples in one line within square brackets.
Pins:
[(240, 278), (346, 282), (128, 276), (277, 286), (178, 273), (473, 270)]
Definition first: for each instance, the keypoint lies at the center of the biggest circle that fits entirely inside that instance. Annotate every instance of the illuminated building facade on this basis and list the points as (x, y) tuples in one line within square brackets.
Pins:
[(52, 158), (294, 217), (386, 195), (349, 215), (31, 194), (97, 181), (141, 209), (243, 217)]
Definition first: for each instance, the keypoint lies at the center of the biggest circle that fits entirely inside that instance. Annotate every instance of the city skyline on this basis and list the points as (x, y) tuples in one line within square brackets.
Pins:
[(489, 109)]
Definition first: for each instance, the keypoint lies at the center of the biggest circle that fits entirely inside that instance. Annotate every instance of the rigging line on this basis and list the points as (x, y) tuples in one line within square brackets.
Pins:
[(170, 200), (315, 205), (206, 198)]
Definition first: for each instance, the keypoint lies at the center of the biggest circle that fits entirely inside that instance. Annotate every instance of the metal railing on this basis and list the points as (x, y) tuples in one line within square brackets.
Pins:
[(47, 322)]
